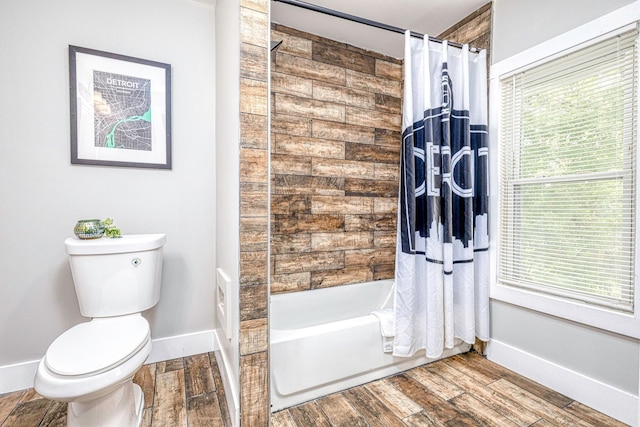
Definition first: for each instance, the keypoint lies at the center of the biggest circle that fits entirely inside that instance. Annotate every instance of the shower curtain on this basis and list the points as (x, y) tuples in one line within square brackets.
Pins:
[(442, 264)]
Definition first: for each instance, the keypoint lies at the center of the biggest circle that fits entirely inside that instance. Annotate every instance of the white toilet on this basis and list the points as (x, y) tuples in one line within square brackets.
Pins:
[(92, 365)]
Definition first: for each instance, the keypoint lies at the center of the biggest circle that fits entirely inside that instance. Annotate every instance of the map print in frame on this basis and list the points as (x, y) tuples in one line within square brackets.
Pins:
[(120, 110)]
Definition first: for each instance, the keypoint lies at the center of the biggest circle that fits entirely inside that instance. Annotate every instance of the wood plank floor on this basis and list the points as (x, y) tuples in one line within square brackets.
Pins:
[(180, 392), (465, 390)]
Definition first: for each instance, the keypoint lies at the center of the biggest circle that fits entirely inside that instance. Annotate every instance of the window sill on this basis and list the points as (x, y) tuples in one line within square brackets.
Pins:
[(626, 324)]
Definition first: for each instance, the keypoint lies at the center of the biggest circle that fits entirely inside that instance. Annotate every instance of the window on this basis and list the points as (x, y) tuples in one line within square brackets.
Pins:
[(567, 174)]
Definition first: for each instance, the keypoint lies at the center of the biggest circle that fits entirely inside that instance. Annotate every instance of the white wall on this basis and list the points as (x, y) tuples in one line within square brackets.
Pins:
[(596, 367), (42, 194), (519, 25), (228, 187), (603, 356)]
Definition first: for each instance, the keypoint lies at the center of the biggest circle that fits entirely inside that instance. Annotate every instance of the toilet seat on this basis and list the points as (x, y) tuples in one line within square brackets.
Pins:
[(94, 347)]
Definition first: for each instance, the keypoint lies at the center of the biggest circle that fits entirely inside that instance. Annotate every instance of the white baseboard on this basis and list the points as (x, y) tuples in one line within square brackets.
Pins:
[(19, 376), (182, 345), (609, 400), (230, 387)]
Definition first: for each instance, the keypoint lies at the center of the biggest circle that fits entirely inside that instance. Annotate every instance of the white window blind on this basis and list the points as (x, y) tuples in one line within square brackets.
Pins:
[(567, 184)]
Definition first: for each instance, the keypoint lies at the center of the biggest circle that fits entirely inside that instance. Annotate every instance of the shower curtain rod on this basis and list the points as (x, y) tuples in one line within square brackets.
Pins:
[(360, 20)]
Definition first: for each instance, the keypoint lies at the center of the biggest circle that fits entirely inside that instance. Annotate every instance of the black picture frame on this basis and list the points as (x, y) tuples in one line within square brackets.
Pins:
[(120, 110)]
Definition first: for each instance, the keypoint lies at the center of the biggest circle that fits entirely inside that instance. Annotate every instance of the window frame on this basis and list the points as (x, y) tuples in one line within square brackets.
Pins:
[(625, 323)]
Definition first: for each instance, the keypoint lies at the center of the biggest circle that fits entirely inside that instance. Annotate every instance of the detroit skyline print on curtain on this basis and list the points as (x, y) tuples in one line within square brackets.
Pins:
[(442, 250)]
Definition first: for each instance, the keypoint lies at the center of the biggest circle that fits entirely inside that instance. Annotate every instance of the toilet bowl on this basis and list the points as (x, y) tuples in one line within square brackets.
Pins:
[(91, 365)]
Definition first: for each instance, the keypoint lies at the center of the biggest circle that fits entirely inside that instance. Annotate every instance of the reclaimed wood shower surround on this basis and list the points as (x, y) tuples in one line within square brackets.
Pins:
[(335, 144)]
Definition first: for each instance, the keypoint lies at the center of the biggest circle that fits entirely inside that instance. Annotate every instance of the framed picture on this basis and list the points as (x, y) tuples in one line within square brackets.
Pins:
[(120, 110)]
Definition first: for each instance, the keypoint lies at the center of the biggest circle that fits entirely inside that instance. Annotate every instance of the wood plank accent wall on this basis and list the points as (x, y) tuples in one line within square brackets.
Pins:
[(335, 152), (254, 225), (475, 29)]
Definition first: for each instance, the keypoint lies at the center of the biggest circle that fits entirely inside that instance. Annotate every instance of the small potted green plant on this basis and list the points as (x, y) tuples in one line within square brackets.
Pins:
[(111, 230), (94, 229)]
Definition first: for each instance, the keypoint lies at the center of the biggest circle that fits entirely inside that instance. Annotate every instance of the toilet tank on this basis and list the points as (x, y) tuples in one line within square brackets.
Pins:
[(114, 277)]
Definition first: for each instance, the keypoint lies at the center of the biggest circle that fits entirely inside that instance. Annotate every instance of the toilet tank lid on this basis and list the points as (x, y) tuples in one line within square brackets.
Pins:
[(106, 245)]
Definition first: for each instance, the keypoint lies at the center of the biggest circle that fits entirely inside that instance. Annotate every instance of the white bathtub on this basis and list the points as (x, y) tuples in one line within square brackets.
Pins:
[(326, 340)]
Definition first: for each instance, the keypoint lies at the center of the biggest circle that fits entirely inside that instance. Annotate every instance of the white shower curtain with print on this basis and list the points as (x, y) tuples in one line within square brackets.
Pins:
[(442, 259)]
